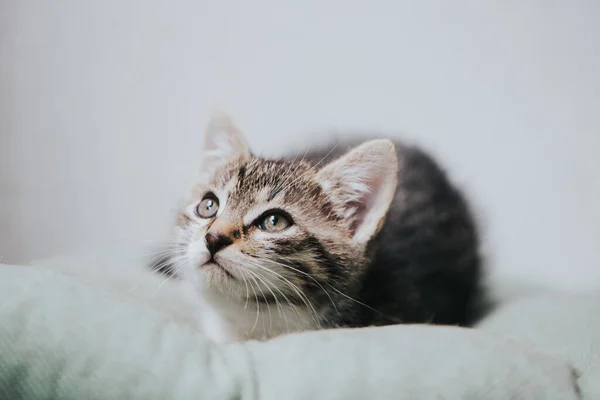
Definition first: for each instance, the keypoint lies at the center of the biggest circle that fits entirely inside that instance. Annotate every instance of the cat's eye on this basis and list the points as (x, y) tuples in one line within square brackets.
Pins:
[(208, 207), (274, 222)]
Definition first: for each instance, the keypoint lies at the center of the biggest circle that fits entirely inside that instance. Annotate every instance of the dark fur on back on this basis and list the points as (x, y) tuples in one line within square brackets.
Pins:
[(425, 262)]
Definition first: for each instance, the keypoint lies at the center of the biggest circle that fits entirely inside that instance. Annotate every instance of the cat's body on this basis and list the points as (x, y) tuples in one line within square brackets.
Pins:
[(424, 264), (336, 237)]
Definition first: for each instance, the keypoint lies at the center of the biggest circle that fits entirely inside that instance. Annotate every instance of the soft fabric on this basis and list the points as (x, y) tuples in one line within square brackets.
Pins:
[(566, 326), (62, 337)]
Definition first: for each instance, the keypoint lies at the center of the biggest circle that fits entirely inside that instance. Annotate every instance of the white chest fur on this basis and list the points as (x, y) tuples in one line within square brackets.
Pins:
[(227, 320)]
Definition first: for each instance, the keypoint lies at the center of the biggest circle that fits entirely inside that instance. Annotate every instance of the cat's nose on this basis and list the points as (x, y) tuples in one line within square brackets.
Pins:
[(216, 241)]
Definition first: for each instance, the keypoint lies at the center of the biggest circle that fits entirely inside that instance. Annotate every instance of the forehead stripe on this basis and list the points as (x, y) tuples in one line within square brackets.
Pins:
[(241, 176), (274, 192)]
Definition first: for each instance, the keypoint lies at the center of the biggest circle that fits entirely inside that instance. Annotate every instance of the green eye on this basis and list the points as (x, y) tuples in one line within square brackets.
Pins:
[(274, 222), (208, 207)]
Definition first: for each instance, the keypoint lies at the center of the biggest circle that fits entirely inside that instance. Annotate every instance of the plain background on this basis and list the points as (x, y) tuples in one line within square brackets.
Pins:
[(103, 104)]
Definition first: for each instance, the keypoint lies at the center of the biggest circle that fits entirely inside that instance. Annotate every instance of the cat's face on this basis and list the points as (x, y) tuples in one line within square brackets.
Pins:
[(262, 229)]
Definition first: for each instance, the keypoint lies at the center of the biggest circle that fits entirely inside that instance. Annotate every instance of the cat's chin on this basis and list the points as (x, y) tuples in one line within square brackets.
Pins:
[(212, 269), (216, 276), (220, 281)]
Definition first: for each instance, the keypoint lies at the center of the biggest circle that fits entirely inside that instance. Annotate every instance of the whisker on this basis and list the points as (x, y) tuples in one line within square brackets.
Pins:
[(164, 250), (290, 176), (164, 281), (157, 242), (279, 306), (245, 283), (257, 303), (264, 297), (276, 275), (314, 167), (292, 306), (163, 244), (311, 277), (294, 287), (168, 264), (338, 291)]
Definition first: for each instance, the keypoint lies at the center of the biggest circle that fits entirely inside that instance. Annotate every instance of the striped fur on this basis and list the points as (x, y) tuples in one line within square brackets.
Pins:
[(378, 236)]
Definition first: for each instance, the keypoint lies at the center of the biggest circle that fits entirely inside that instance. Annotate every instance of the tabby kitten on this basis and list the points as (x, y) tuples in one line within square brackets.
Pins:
[(348, 236)]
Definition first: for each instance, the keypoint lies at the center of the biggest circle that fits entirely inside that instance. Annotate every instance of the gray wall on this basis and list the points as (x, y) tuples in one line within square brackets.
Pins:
[(102, 106)]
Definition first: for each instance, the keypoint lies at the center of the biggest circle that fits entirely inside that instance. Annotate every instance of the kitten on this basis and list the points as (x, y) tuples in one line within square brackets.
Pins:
[(348, 236)]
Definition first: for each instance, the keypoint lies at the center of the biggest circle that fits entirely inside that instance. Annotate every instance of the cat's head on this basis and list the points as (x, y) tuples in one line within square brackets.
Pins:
[(255, 227)]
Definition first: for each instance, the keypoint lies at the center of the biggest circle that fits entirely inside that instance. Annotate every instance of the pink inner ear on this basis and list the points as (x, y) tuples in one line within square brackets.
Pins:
[(361, 184), (358, 215), (361, 206)]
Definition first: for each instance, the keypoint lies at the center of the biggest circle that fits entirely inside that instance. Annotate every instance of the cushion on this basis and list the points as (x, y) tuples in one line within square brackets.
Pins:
[(63, 336)]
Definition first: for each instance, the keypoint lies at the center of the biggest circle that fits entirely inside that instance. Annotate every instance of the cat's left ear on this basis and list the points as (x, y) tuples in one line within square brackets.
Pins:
[(362, 184), (223, 142)]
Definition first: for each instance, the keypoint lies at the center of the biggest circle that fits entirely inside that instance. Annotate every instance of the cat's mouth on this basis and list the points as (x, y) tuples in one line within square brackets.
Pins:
[(213, 265)]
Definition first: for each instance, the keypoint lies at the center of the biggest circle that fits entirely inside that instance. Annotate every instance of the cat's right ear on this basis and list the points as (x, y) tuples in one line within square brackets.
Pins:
[(223, 142), (362, 184)]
